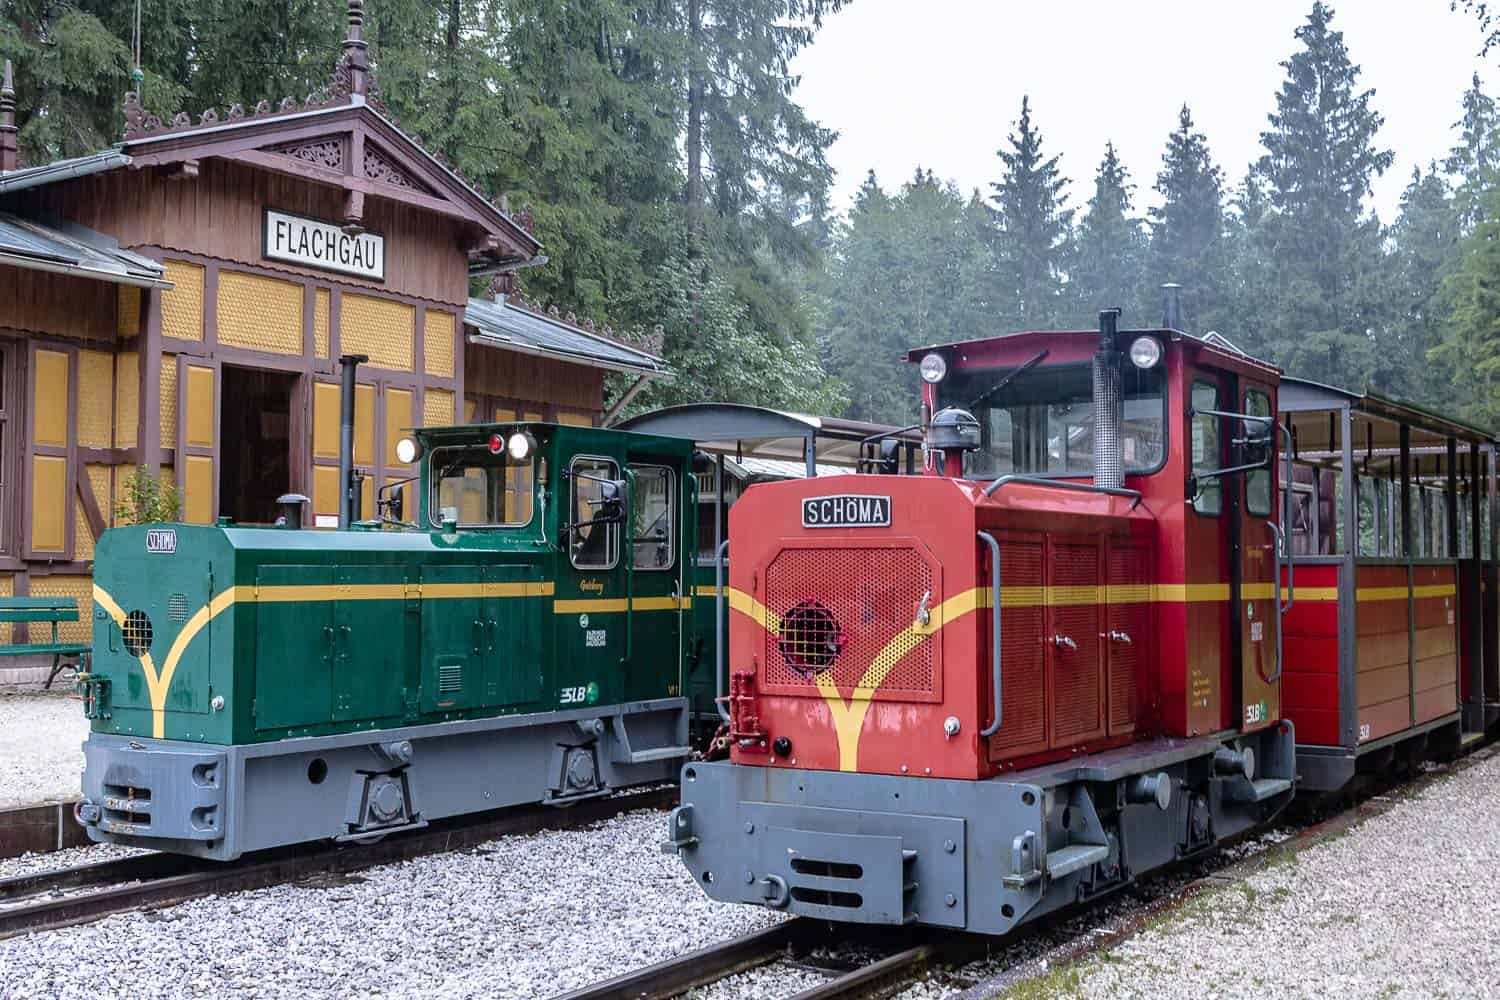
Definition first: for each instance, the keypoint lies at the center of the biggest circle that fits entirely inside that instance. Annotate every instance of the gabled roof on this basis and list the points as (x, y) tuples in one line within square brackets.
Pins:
[(510, 326), (67, 248)]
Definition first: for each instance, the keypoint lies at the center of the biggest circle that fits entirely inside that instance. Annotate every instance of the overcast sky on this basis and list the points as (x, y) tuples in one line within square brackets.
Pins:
[(939, 82)]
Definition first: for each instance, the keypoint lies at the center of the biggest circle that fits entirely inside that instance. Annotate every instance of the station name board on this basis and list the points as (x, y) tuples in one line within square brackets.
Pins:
[(314, 243)]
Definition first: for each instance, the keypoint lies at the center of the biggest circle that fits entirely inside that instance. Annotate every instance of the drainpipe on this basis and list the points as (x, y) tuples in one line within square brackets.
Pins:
[(350, 364)]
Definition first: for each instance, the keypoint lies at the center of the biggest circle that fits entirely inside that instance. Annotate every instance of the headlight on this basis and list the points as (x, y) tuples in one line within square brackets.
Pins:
[(408, 451), (933, 368), (520, 446), (1145, 352)]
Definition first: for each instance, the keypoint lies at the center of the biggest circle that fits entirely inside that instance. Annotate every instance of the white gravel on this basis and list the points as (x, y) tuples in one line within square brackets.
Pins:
[(41, 748), (518, 918), (29, 864)]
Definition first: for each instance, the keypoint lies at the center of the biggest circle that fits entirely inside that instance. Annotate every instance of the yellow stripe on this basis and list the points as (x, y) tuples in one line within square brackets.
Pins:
[(1380, 594), (280, 594), (1311, 594), (1435, 590)]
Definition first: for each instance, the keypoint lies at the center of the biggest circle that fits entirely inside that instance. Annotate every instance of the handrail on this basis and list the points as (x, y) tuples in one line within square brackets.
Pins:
[(1281, 609), (719, 695), (1064, 484), (989, 540)]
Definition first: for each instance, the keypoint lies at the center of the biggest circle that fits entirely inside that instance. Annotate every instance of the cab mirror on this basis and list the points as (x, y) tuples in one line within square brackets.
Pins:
[(1254, 443), (398, 503), (611, 500)]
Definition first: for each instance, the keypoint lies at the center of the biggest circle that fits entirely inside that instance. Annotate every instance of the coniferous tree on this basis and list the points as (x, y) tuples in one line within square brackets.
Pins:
[(1187, 229), (1251, 292), (1473, 337), (1475, 160), (1424, 245), (1109, 252), (1320, 159), (1033, 229)]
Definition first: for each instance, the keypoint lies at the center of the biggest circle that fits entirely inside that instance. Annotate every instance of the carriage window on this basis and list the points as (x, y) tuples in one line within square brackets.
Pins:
[(1258, 481), (1044, 422), (652, 535), (479, 489), (1207, 450), (593, 546)]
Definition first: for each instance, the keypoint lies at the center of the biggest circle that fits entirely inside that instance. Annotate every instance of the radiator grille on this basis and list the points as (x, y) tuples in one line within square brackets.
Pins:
[(1024, 727), (1075, 678), (450, 678), (177, 609), (843, 613)]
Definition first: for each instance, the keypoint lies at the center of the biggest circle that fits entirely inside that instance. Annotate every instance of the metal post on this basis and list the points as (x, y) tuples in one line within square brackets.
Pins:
[(810, 450), (1450, 503), (1348, 628), (1474, 519), (349, 363), (1406, 547)]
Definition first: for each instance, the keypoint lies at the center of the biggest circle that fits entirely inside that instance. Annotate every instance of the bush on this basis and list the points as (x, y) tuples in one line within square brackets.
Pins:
[(144, 500)]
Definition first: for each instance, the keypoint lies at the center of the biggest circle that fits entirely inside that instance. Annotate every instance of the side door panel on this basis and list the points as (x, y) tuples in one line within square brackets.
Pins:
[(513, 627), (294, 646), (1074, 647), (1259, 597), (455, 638), (370, 620), (1128, 637)]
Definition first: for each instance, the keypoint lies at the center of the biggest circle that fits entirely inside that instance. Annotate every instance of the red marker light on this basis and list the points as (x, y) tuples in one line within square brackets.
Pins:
[(496, 444)]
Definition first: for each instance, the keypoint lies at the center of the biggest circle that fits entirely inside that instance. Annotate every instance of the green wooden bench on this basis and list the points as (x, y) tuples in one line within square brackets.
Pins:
[(42, 610)]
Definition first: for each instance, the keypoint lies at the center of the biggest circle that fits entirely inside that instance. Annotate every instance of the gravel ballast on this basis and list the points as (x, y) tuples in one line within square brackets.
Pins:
[(41, 748), (521, 917)]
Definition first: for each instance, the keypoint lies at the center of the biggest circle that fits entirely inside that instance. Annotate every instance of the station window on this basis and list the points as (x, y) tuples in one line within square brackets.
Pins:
[(479, 489), (1207, 450), (592, 545), (653, 537), (1258, 481)]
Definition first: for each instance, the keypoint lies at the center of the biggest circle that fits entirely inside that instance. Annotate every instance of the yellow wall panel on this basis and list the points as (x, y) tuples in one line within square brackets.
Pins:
[(379, 328), (532, 416), (51, 399), (182, 307), (96, 391), (7, 589), (259, 313), (169, 400), (127, 398), (198, 404), (198, 489), (166, 477), (471, 406), (49, 494), (320, 322), (325, 495), (81, 589), (83, 538), (325, 420), (437, 343), (364, 425), (437, 408), (101, 482), (397, 419), (128, 314), (575, 419), (366, 499)]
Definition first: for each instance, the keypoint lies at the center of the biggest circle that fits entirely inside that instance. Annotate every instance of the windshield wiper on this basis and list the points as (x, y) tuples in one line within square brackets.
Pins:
[(1007, 380)]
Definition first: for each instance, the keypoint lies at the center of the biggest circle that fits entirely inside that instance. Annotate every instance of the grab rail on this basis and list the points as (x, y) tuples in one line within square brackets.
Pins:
[(989, 540), (1281, 609), (719, 695), (1065, 484)]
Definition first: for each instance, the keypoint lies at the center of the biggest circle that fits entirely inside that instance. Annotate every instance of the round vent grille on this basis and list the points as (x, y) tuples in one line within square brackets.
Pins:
[(137, 633), (810, 638)]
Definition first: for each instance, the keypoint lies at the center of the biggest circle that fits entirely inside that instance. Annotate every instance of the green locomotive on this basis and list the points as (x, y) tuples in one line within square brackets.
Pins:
[(520, 637)]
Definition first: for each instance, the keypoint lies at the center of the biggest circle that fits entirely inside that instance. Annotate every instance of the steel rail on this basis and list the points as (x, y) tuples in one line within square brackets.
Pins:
[(878, 978), (170, 879)]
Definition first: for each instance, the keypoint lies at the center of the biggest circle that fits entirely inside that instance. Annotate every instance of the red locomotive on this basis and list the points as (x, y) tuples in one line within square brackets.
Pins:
[(1044, 668)]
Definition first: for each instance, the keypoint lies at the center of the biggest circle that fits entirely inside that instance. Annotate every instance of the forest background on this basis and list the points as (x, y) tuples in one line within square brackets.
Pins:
[(675, 181)]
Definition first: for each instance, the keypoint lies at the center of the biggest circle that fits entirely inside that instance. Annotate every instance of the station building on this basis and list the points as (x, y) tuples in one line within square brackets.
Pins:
[(180, 302)]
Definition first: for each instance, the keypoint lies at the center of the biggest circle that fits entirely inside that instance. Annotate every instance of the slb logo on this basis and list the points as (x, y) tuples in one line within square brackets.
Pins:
[(846, 511), (163, 540)]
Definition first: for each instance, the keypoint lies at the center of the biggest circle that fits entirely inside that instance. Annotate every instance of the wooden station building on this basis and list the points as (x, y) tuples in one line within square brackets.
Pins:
[(180, 302)]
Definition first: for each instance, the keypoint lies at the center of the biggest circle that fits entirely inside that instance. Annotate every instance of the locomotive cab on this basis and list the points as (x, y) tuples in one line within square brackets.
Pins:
[(1024, 678)]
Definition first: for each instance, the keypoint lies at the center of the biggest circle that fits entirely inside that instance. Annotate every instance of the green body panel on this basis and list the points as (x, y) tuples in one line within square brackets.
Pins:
[(305, 633)]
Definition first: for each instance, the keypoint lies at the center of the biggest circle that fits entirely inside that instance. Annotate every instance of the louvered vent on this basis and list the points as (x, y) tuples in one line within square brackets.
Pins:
[(450, 678), (177, 608)]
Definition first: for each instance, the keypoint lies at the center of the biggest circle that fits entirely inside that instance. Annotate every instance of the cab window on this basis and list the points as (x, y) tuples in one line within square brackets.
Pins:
[(1258, 481), (592, 545), (653, 537), (479, 489), (1207, 449)]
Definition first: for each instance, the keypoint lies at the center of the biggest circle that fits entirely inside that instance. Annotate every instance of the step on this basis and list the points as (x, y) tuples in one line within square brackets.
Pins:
[(1069, 859)]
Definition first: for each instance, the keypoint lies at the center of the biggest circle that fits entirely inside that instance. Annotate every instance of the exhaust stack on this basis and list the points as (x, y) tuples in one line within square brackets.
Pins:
[(1109, 461), (1171, 306), (348, 497)]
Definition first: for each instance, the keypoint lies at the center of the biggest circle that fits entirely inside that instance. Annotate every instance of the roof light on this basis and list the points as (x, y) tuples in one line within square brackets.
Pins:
[(520, 446), (1145, 352), (408, 451), (934, 368)]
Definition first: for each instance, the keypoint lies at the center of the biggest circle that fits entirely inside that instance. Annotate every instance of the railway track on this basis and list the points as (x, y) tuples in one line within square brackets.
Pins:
[(62, 897)]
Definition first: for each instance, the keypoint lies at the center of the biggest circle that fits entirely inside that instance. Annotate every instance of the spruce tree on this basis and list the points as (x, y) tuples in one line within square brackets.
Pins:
[(1473, 338), (1475, 161), (1423, 250), (1033, 229), (1187, 229), (1320, 160), (1109, 261)]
